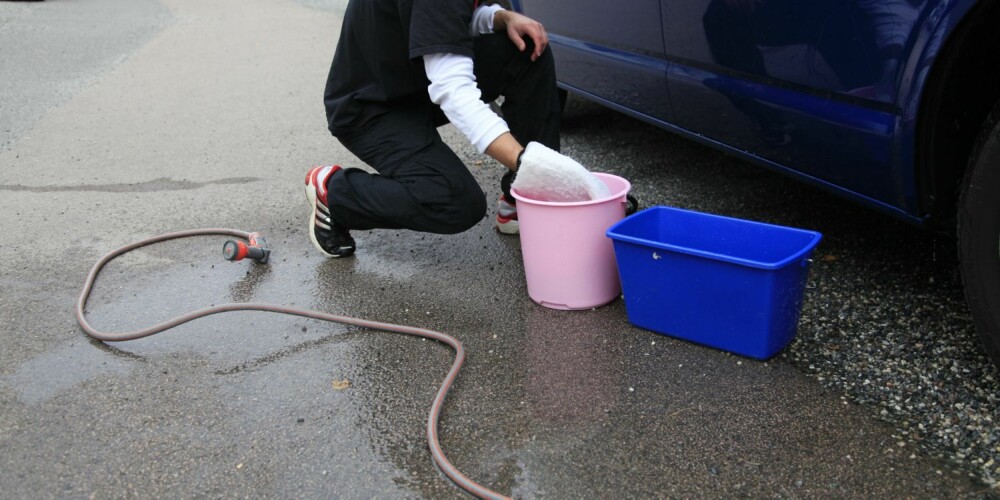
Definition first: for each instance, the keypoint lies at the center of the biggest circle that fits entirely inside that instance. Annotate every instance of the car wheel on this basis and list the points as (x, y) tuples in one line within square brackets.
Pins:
[(979, 234)]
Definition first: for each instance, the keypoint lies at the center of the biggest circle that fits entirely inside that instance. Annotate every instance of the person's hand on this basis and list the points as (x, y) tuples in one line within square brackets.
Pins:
[(548, 175), (519, 26)]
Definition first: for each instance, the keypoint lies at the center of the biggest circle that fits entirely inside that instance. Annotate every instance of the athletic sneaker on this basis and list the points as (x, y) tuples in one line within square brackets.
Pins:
[(507, 216), (331, 239)]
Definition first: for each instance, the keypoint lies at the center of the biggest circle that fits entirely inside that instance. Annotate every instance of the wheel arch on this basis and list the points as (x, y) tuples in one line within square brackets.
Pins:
[(957, 83)]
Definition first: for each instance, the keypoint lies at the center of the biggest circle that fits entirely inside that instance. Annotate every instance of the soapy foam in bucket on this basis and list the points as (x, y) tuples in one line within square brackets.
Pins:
[(569, 262)]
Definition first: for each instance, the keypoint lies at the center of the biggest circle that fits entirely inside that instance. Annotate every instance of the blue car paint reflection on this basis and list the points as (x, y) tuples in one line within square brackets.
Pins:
[(824, 90)]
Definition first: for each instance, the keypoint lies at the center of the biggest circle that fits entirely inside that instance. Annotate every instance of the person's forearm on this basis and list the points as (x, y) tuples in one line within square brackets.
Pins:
[(453, 87), (505, 150)]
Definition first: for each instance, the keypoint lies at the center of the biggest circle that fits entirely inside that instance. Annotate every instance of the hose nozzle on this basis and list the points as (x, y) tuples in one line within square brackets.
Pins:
[(256, 248)]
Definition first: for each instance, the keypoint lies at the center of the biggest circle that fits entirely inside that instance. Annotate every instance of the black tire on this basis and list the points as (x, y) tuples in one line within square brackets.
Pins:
[(979, 234)]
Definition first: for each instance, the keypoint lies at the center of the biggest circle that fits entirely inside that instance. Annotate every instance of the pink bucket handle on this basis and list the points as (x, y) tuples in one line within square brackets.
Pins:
[(631, 205)]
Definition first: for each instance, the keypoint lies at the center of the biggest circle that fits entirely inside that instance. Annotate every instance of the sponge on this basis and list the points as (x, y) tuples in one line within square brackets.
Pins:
[(545, 175)]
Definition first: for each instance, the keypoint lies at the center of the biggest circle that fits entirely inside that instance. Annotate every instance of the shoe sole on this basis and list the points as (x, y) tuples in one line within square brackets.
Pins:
[(311, 198), (509, 227)]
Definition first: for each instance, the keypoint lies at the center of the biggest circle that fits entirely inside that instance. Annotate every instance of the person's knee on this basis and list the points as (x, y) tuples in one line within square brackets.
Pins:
[(546, 61), (497, 45), (472, 209), (463, 212)]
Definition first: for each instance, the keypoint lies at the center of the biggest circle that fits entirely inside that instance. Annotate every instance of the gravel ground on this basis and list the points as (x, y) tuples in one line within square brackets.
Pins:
[(884, 320), (912, 359)]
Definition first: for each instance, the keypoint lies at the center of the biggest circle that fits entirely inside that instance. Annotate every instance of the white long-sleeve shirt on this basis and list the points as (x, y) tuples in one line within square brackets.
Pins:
[(453, 88)]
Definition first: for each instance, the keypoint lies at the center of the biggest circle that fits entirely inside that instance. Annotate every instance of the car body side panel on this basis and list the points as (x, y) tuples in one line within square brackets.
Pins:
[(834, 110), (763, 162), (826, 45), (631, 80), (808, 85), (634, 27), (842, 143), (594, 52)]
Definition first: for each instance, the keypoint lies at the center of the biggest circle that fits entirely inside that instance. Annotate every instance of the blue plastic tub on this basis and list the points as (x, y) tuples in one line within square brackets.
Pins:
[(727, 283)]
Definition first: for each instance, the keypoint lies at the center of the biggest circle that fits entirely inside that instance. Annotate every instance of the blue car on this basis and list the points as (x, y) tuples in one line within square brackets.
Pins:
[(894, 104)]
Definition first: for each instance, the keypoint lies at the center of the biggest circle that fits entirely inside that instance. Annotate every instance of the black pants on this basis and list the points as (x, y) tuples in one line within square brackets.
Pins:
[(421, 184)]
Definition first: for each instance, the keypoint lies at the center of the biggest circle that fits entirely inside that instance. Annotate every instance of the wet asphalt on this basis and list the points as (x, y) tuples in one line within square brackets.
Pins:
[(124, 120)]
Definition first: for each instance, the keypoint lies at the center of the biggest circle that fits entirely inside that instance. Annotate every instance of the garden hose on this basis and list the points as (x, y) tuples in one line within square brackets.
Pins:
[(432, 419)]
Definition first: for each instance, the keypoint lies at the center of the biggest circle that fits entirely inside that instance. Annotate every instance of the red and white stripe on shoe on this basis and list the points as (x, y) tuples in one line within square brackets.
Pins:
[(316, 179), (507, 217)]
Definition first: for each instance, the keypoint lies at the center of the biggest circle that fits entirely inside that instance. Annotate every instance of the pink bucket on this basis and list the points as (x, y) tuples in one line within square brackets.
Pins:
[(569, 262)]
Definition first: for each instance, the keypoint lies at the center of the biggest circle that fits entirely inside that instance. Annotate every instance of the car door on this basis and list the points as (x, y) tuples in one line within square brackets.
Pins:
[(610, 50), (804, 85)]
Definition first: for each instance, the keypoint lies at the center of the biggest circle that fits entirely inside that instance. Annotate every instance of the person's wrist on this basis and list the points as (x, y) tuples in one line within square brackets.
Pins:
[(498, 20)]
